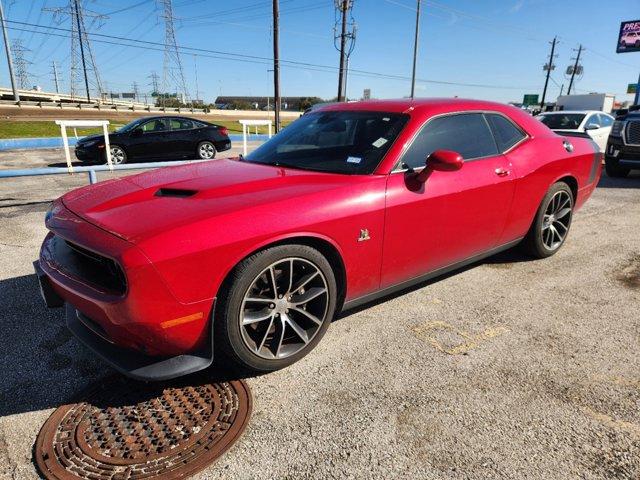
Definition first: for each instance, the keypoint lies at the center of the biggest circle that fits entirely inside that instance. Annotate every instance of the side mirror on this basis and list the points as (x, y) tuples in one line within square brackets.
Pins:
[(592, 126), (136, 132), (443, 161)]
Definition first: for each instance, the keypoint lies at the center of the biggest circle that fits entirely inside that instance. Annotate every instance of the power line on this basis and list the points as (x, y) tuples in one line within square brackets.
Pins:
[(209, 53)]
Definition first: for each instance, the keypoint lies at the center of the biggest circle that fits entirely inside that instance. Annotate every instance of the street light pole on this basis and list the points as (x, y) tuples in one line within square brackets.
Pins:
[(415, 50), (16, 95)]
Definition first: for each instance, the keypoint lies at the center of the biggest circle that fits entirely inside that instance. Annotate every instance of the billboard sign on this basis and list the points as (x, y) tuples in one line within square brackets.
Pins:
[(629, 37), (632, 88), (530, 99)]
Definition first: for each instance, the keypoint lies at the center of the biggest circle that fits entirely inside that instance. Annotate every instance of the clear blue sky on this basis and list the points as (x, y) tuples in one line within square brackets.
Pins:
[(501, 43)]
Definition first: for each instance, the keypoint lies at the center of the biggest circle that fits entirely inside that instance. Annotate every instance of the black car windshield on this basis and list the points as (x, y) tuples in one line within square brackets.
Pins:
[(131, 126), (349, 142), (562, 121)]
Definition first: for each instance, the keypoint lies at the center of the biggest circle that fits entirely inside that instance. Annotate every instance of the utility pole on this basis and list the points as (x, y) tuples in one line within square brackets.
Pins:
[(561, 89), (575, 68), (84, 63), (55, 76), (7, 48), (548, 67), (276, 65), (415, 50), (343, 6)]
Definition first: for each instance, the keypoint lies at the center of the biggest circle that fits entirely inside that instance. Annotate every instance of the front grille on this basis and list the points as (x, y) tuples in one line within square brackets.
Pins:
[(633, 133), (88, 266)]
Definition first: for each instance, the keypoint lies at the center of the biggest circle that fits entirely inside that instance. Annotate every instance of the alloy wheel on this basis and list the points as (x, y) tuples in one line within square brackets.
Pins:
[(117, 155), (284, 308), (556, 220), (206, 151)]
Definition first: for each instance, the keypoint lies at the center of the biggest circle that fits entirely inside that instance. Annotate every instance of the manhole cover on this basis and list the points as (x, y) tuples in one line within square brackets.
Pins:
[(130, 431)]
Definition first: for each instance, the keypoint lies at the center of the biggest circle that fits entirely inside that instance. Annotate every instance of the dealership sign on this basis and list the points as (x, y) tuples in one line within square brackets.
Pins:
[(629, 37)]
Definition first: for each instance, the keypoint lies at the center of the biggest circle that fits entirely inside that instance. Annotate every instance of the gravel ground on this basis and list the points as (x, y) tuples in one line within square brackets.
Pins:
[(511, 368)]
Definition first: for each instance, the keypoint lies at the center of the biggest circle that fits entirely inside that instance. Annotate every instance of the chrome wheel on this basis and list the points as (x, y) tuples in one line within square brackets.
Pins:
[(556, 220), (284, 308), (117, 155), (206, 150)]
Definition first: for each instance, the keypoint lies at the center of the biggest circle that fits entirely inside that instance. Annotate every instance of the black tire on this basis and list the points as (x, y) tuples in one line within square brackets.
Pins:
[(534, 242), (206, 150), (228, 332), (614, 170), (120, 156)]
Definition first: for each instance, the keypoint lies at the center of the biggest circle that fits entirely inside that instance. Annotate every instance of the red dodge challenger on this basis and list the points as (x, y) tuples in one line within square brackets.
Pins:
[(245, 261)]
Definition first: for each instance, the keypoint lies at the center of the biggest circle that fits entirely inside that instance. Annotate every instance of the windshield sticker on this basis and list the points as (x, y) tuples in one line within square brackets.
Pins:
[(354, 159), (379, 142)]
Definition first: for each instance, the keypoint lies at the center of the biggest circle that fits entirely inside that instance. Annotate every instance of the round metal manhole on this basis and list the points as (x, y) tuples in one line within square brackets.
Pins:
[(130, 431)]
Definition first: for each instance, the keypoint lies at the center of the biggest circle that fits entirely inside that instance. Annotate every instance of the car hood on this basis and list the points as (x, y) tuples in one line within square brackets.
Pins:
[(140, 206), (98, 136)]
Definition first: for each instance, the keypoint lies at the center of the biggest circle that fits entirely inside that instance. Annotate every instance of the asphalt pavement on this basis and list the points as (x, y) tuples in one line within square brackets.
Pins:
[(511, 368)]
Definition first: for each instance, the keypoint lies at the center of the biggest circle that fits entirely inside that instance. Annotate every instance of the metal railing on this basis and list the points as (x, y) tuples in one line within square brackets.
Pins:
[(90, 170)]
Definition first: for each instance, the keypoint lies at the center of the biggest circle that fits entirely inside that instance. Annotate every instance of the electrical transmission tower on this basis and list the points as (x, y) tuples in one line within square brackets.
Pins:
[(81, 52), (136, 91), (21, 64), (172, 68), (344, 41), (155, 82)]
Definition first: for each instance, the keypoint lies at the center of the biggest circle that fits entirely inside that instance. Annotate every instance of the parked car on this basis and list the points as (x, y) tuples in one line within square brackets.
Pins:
[(167, 138), (348, 204), (622, 153), (595, 124)]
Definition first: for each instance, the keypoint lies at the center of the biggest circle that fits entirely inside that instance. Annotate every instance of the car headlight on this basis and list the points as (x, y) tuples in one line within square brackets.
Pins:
[(616, 129)]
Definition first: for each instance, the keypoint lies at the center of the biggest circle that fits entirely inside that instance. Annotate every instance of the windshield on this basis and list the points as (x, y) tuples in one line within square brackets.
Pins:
[(349, 142), (562, 121), (131, 126)]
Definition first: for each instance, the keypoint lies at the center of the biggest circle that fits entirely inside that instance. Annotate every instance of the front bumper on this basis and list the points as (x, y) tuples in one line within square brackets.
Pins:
[(143, 330), (624, 155), (90, 154)]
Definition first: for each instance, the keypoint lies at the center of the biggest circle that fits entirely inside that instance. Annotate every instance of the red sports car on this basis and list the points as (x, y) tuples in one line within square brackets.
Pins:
[(255, 255)]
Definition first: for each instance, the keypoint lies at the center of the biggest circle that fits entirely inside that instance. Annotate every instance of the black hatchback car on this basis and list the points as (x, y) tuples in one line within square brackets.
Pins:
[(157, 138)]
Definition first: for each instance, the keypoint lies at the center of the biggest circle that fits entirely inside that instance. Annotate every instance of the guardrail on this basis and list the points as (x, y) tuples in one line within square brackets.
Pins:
[(90, 170)]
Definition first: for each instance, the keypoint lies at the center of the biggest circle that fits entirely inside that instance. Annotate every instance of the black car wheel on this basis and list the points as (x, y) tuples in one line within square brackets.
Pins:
[(551, 223), (118, 155), (613, 168), (206, 150), (275, 308)]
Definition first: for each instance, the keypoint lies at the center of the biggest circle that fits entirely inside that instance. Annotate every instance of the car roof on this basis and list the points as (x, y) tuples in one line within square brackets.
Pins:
[(580, 112), (405, 105)]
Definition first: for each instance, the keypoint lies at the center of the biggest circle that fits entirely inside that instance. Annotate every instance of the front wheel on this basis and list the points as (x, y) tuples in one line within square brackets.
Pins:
[(551, 223), (118, 155), (206, 150), (275, 308)]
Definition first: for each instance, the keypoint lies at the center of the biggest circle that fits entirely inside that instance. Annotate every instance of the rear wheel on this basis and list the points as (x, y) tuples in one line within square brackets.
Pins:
[(276, 307), (551, 223), (206, 150), (614, 170)]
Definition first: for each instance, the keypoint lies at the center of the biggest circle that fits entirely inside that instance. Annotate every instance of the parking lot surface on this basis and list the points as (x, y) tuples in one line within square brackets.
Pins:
[(511, 368)]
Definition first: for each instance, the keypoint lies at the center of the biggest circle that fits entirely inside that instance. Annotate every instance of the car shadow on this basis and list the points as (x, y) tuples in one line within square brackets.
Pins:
[(499, 260), (44, 366), (630, 181)]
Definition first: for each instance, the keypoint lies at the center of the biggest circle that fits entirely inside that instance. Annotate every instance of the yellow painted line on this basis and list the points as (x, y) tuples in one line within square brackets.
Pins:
[(181, 320)]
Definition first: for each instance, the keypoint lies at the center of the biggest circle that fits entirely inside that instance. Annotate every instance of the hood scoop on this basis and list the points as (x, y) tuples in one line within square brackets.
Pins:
[(175, 192)]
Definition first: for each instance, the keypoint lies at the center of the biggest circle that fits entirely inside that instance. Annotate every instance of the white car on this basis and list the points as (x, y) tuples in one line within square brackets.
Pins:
[(595, 124)]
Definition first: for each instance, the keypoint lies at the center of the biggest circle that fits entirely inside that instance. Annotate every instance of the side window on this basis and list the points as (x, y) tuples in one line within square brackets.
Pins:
[(593, 119), (157, 125), (468, 134), (180, 124), (505, 132), (605, 120)]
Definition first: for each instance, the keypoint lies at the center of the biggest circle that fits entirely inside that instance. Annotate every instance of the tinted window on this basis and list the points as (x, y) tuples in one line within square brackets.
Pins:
[(197, 124), (467, 134), (605, 120), (157, 125), (180, 124), (505, 132), (562, 121), (352, 142)]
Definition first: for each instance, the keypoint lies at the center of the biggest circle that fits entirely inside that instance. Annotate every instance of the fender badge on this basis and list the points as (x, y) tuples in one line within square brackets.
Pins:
[(364, 235)]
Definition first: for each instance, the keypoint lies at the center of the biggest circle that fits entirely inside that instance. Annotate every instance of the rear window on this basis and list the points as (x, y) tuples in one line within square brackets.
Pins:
[(562, 121), (505, 132)]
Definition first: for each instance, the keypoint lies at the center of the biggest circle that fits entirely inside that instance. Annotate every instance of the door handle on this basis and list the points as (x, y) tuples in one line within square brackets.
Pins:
[(502, 172)]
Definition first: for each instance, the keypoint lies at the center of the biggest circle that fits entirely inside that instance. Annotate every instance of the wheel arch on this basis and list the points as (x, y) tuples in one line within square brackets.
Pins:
[(572, 183), (325, 246)]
